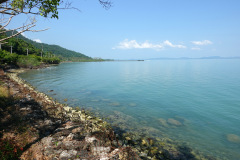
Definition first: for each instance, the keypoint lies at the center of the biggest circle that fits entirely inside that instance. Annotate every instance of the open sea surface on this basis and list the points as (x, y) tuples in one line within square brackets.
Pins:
[(193, 102)]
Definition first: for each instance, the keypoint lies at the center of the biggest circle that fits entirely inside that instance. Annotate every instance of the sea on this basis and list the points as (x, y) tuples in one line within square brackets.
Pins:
[(195, 102)]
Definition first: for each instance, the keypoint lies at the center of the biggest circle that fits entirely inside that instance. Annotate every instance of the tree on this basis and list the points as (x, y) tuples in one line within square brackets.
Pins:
[(45, 8)]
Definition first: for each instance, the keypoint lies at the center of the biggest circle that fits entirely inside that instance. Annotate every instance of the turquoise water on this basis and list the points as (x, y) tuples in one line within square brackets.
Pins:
[(194, 102)]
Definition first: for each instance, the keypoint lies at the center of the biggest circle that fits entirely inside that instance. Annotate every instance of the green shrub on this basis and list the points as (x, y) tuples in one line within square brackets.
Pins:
[(53, 60), (28, 61), (7, 57)]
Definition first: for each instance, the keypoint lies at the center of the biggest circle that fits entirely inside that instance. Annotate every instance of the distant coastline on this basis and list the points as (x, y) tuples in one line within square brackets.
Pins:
[(210, 57)]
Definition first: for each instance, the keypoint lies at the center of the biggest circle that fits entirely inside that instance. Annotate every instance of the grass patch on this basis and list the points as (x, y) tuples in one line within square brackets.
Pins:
[(4, 92), (5, 97)]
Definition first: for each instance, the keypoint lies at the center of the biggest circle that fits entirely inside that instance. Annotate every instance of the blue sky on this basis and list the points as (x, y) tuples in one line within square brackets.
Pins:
[(142, 29)]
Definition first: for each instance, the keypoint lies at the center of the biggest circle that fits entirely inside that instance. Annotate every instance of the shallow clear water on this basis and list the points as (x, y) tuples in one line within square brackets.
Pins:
[(196, 102)]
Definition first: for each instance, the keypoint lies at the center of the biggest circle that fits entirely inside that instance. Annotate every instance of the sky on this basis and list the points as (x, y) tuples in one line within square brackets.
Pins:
[(144, 29)]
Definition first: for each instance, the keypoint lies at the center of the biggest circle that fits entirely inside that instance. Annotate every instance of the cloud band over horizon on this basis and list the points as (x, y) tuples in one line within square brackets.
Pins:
[(201, 43), (133, 44)]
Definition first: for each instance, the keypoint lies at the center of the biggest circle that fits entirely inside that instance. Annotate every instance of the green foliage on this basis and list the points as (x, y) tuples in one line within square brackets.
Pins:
[(20, 47), (28, 61), (7, 57), (45, 8), (51, 54), (9, 150), (53, 60), (62, 53), (25, 54)]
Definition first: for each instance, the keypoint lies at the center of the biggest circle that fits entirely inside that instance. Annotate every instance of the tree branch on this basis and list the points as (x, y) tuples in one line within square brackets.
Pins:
[(105, 3), (17, 28), (9, 20), (39, 30), (24, 30)]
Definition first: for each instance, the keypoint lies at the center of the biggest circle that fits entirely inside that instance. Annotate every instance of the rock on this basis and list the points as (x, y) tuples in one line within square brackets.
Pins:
[(174, 122), (65, 155), (67, 109), (90, 139), (144, 142), (100, 151), (128, 138), (153, 150), (47, 141), (48, 122), (143, 154), (163, 122), (233, 138), (70, 136), (115, 104), (72, 152), (95, 100), (25, 109), (76, 130), (132, 104)]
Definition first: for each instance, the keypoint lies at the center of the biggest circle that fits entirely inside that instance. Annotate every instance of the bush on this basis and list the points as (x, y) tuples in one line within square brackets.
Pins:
[(28, 61), (53, 60), (7, 57)]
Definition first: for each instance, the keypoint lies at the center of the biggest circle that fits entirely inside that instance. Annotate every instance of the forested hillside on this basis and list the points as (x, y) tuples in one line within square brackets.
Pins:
[(19, 53), (62, 53)]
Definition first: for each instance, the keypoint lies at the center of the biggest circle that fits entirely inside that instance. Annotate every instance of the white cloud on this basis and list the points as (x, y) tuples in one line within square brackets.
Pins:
[(167, 43), (200, 43), (23, 34), (133, 44), (195, 48), (37, 40)]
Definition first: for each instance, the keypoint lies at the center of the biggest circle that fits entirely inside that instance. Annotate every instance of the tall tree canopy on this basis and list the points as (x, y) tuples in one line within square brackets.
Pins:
[(45, 8)]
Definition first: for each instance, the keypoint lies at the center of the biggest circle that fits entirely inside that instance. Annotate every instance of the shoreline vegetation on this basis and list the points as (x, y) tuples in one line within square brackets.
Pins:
[(34, 126), (21, 52)]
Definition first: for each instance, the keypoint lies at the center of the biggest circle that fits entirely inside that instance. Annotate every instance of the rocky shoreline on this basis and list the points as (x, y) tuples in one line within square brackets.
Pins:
[(52, 130)]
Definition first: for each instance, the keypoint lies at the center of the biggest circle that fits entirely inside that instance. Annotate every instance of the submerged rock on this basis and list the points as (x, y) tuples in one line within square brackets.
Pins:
[(163, 122), (182, 120), (174, 122), (132, 104), (95, 100), (115, 104), (233, 138)]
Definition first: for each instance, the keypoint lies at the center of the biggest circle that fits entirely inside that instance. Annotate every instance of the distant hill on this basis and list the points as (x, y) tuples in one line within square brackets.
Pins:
[(211, 57), (63, 53)]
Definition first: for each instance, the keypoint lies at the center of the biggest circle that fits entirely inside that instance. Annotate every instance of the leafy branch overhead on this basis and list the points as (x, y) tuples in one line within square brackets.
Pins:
[(45, 8)]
